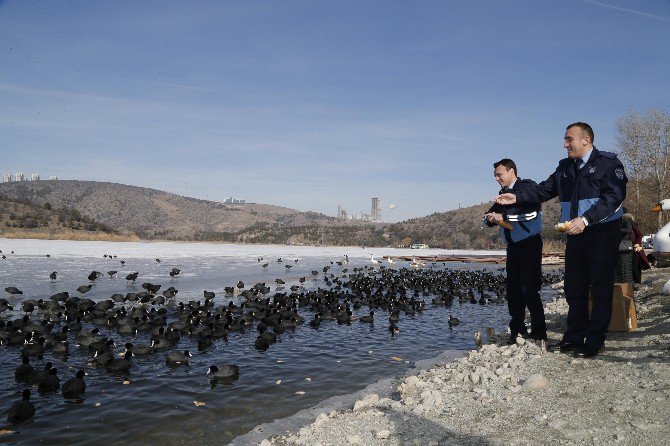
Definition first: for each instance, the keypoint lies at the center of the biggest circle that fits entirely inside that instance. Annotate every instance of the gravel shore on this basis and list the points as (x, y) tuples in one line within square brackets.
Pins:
[(521, 394)]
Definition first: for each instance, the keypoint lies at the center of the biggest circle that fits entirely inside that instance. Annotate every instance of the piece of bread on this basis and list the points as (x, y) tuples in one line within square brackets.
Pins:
[(563, 226)]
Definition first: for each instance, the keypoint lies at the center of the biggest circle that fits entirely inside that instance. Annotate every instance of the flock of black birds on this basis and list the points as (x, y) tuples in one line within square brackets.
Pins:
[(64, 324)]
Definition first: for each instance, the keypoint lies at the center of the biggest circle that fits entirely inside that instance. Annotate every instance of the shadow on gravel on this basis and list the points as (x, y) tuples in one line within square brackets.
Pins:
[(416, 430), (424, 431)]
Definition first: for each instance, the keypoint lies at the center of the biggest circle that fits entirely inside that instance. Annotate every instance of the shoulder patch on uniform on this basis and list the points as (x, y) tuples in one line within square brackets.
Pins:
[(619, 173), (607, 154)]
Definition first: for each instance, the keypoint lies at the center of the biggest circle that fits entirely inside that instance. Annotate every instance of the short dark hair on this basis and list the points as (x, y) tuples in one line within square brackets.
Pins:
[(585, 129), (508, 163)]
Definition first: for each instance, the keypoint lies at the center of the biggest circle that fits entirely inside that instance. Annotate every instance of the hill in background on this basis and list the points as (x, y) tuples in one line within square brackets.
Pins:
[(26, 219), (154, 214)]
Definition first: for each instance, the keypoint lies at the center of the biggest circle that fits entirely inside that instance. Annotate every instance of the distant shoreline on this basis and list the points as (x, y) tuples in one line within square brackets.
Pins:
[(85, 236)]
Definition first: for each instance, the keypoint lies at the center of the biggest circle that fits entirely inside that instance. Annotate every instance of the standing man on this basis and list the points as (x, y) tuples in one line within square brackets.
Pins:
[(590, 185), (520, 227)]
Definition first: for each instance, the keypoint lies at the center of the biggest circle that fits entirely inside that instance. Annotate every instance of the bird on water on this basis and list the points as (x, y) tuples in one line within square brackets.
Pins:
[(22, 410)]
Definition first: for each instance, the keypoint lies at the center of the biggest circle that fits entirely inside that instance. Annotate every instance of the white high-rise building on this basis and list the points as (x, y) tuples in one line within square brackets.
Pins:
[(35, 177), (7, 178), (19, 177), (376, 214)]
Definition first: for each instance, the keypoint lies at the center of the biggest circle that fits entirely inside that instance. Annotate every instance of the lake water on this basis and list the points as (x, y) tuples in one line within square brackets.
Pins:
[(156, 402)]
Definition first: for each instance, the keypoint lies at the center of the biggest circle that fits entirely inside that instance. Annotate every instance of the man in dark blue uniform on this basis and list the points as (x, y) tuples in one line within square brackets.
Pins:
[(590, 184), (520, 227)]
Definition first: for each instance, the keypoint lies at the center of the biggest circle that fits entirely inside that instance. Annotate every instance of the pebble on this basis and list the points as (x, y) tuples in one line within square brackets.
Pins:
[(354, 439), (536, 382), (383, 434), (369, 400), (322, 418)]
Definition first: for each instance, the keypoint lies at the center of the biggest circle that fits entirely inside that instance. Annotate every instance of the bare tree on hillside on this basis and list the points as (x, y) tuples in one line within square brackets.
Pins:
[(644, 148)]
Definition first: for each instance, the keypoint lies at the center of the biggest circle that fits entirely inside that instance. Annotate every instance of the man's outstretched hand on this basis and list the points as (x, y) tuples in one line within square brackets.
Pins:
[(507, 198)]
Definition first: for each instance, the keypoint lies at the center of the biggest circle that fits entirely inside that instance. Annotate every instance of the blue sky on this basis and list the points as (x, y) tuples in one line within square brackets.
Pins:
[(310, 104)]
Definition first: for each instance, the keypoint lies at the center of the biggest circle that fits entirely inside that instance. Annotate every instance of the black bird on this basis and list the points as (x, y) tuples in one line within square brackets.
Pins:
[(60, 348), (121, 365), (38, 375), (74, 387), (94, 275), (52, 276), (316, 322), (368, 319), (13, 290), (453, 321), (50, 383), (84, 289), (132, 277), (227, 372), (158, 260), (240, 284), (177, 358), (4, 305), (112, 273), (141, 350), (22, 410), (261, 344), (28, 305), (170, 292), (24, 370), (175, 272)]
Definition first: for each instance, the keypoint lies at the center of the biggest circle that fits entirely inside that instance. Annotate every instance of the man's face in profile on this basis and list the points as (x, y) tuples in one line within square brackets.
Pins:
[(504, 176), (576, 142)]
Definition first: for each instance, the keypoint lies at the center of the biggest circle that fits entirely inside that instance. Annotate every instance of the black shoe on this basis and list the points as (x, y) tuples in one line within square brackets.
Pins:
[(588, 352), (539, 336), (565, 346)]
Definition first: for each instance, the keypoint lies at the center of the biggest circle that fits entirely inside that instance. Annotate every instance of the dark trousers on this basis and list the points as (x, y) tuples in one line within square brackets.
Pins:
[(524, 280), (590, 259)]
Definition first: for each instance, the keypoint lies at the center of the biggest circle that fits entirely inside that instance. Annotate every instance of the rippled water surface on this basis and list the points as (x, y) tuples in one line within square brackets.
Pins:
[(155, 403)]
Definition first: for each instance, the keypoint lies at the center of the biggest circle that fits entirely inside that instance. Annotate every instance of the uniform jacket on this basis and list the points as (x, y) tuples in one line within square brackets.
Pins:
[(595, 191), (526, 219)]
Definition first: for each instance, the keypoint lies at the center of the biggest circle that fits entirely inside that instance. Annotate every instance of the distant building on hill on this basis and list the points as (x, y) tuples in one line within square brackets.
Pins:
[(231, 200), (341, 213), (35, 177), (19, 177), (7, 178), (53, 177)]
